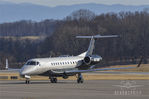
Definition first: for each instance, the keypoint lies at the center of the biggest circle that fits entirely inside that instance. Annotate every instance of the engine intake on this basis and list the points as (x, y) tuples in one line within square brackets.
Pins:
[(92, 59)]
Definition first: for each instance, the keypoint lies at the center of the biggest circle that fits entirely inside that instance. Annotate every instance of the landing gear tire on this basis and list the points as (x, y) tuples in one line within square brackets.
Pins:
[(53, 80), (27, 81), (80, 79)]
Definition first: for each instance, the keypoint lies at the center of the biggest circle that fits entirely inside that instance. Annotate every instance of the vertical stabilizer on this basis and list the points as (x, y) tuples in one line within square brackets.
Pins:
[(91, 47)]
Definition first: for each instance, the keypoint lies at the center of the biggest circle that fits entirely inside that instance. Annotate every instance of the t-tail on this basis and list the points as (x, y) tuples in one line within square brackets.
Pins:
[(92, 43)]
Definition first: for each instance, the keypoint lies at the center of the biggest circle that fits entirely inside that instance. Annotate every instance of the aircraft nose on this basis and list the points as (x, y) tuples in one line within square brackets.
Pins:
[(26, 70), (23, 72)]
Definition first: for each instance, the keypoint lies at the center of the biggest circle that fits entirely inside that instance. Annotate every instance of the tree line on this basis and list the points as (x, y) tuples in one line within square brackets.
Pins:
[(132, 43), (28, 28)]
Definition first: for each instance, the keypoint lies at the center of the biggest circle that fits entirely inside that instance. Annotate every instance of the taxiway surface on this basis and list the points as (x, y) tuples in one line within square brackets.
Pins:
[(68, 89)]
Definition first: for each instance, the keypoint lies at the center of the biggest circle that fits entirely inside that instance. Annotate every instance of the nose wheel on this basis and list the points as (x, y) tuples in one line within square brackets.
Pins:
[(27, 77), (27, 81), (80, 78)]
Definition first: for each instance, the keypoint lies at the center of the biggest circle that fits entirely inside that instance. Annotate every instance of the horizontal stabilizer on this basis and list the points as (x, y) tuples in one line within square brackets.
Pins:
[(98, 36)]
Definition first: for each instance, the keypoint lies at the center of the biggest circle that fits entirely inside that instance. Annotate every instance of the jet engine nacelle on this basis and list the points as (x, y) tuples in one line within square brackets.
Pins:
[(92, 59)]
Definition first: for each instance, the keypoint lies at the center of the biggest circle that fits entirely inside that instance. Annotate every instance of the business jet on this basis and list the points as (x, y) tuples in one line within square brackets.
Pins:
[(65, 66)]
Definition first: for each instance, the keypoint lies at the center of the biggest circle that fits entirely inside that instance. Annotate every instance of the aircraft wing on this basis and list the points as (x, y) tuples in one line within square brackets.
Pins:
[(102, 69)]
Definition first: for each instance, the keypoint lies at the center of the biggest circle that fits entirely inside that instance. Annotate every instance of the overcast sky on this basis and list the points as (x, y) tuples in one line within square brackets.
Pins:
[(70, 2)]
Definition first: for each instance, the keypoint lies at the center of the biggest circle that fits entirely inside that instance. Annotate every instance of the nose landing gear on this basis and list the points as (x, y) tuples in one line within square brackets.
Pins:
[(27, 81)]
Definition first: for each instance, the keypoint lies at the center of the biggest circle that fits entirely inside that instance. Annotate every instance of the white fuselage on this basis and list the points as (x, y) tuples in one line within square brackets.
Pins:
[(41, 65)]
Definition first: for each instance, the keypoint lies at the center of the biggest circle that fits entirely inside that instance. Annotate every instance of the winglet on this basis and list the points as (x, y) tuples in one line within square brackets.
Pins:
[(139, 64)]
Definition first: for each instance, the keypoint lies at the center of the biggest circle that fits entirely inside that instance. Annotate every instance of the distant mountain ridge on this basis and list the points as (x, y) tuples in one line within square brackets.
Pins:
[(10, 12)]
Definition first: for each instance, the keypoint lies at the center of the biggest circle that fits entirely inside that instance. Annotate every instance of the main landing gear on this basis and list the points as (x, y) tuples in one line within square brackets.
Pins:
[(80, 78), (53, 79)]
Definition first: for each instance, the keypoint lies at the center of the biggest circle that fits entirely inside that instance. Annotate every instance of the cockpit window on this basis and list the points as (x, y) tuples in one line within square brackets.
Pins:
[(37, 63), (32, 63)]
